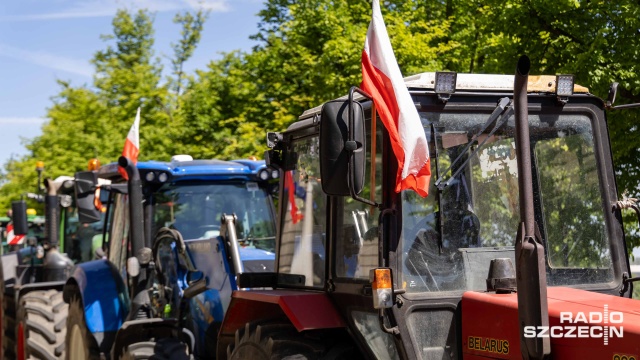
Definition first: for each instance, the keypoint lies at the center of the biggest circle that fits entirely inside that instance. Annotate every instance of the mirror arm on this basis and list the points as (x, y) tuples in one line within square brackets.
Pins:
[(352, 147)]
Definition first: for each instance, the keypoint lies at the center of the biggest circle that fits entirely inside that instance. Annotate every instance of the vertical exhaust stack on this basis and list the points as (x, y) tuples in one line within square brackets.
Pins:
[(51, 214), (531, 275)]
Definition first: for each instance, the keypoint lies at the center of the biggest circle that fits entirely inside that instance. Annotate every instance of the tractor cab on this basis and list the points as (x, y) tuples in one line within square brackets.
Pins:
[(341, 219), (191, 196)]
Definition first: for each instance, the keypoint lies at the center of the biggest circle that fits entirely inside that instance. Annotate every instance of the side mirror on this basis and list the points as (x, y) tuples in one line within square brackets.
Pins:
[(19, 217), (85, 187), (342, 148)]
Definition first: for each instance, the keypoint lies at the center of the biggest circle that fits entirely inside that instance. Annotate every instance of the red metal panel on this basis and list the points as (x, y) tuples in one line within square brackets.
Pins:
[(306, 310), (488, 316), (490, 326)]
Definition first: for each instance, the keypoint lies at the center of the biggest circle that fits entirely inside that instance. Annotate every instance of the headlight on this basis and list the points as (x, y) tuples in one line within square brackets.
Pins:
[(150, 176), (163, 177), (275, 173), (564, 85), (65, 201), (263, 174)]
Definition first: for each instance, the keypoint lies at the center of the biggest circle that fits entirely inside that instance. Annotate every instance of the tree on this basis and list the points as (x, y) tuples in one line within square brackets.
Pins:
[(86, 122), (189, 39)]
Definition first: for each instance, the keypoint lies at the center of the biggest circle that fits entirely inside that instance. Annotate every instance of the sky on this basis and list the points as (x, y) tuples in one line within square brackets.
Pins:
[(43, 41)]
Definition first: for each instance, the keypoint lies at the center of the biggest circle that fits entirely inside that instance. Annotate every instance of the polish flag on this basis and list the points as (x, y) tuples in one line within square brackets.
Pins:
[(13, 239), (131, 145), (381, 78), (296, 215)]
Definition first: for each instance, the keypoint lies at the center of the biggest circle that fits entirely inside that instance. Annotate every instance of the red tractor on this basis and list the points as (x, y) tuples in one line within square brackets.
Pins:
[(518, 251)]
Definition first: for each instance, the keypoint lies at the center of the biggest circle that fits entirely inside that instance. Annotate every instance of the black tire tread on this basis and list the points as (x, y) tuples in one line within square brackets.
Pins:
[(274, 341), (44, 337), (9, 326)]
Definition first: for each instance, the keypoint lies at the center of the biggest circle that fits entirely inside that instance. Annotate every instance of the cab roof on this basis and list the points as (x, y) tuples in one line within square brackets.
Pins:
[(490, 82), (474, 82), (191, 168)]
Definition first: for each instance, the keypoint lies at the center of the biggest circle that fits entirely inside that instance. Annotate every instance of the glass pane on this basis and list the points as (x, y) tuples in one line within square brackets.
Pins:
[(357, 244), (572, 203), (303, 224), (118, 239), (195, 209), (451, 236), (380, 343), (81, 240)]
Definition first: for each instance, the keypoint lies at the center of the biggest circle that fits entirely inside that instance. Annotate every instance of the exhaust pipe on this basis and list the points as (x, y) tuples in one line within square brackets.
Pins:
[(51, 215), (135, 204), (137, 266), (531, 275)]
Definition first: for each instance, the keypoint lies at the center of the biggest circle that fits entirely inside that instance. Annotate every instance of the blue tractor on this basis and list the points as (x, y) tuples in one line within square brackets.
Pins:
[(176, 236)]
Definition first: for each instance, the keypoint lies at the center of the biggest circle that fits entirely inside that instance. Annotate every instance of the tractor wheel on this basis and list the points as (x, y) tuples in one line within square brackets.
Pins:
[(42, 319), (163, 349), (8, 326), (81, 345), (271, 341)]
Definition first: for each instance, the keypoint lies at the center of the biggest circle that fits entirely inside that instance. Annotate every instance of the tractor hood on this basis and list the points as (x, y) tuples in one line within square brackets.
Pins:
[(582, 325)]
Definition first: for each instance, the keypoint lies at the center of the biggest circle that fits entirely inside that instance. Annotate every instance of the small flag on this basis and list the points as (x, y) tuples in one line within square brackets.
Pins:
[(382, 79), (13, 239), (296, 215), (131, 145)]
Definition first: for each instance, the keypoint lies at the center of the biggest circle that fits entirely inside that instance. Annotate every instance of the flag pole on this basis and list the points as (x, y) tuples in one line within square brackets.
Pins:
[(372, 191)]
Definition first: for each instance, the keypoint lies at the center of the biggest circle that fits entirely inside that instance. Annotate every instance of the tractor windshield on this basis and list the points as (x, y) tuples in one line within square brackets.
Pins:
[(195, 209), (450, 237)]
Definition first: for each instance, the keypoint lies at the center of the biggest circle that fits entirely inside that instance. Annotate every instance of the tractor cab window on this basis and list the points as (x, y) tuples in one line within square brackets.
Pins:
[(78, 237), (196, 208), (357, 239), (451, 236), (302, 243), (81, 241), (119, 244)]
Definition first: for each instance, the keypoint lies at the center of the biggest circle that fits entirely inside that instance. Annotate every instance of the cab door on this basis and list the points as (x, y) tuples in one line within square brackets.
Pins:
[(354, 250)]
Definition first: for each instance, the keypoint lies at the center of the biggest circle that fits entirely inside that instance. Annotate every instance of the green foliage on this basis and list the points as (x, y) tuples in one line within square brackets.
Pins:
[(189, 39)]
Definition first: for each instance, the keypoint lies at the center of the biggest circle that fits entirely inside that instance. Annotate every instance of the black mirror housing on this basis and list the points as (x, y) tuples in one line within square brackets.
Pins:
[(19, 217), (85, 187), (337, 152)]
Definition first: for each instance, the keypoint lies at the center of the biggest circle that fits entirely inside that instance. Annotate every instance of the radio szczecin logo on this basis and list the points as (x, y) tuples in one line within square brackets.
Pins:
[(593, 324)]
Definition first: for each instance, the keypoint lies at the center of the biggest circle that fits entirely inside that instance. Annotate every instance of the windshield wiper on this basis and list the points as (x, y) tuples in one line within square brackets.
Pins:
[(504, 107)]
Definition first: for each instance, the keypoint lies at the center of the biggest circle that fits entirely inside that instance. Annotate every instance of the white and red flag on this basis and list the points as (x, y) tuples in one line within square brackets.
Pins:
[(381, 78), (12, 238), (131, 145)]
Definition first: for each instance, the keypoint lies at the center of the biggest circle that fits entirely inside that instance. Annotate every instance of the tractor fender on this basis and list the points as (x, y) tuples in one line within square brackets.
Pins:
[(304, 309), (103, 293), (9, 262)]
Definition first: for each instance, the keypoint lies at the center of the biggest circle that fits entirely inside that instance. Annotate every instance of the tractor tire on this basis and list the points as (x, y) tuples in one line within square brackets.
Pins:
[(163, 349), (8, 326), (42, 320), (275, 340), (81, 345), (2, 326)]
